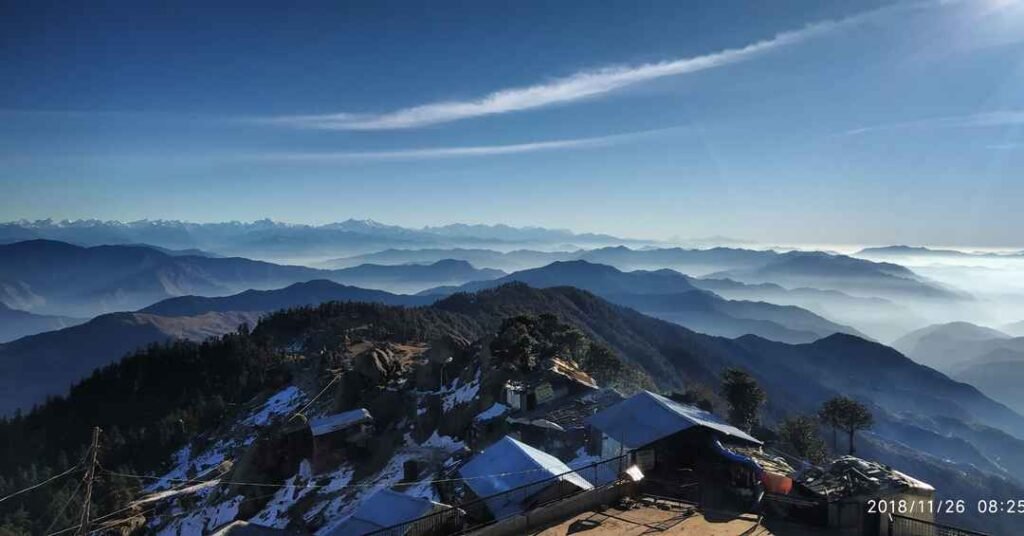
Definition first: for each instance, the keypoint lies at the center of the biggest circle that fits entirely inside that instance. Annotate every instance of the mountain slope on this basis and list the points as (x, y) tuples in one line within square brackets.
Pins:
[(40, 366), (412, 277), (15, 324), (998, 375), (51, 361), (520, 259), (297, 295), (1016, 329), (880, 318), (673, 296), (847, 274), (954, 344)]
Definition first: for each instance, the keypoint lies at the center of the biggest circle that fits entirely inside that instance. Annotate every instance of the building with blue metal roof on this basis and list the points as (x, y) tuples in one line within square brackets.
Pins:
[(647, 417), (385, 508), (511, 476), (679, 447)]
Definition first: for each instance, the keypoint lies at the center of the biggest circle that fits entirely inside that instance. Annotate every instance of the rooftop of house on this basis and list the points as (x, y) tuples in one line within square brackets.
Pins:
[(768, 460), (571, 371), (849, 476), (385, 508), (509, 464), (339, 421), (647, 417), (573, 411), (554, 368)]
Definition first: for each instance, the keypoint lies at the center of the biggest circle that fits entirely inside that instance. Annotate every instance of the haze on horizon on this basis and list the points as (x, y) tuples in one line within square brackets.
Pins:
[(803, 123)]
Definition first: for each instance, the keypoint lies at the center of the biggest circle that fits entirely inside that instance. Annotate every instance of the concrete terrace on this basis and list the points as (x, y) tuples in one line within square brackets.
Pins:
[(650, 516), (653, 520)]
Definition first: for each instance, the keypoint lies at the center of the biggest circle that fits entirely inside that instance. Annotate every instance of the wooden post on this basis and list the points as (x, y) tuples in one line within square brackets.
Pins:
[(90, 474)]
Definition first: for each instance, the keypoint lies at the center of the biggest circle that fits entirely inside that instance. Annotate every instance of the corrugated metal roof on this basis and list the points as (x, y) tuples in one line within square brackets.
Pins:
[(647, 417), (510, 464), (339, 421), (383, 509)]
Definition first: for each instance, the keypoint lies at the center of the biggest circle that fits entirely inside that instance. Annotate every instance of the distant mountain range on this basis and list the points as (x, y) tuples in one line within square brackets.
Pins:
[(49, 277), (266, 239), (55, 278), (519, 259), (690, 261), (813, 270), (15, 324), (897, 252), (672, 296), (847, 274)]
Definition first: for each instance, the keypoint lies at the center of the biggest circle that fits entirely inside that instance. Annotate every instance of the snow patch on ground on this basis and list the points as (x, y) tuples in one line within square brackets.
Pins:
[(204, 520), (460, 394), (341, 507), (275, 513), (425, 489), (493, 412), (186, 467), (188, 490), (337, 480), (284, 402), (188, 464), (447, 443)]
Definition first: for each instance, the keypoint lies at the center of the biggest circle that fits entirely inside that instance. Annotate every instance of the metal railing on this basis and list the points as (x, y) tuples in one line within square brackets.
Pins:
[(908, 526), (479, 512)]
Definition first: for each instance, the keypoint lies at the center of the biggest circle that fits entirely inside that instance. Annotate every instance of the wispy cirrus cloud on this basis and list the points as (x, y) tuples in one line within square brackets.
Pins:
[(429, 153), (995, 118), (575, 87)]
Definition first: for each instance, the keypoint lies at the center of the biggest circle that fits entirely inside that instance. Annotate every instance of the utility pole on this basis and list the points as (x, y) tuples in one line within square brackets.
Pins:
[(90, 474)]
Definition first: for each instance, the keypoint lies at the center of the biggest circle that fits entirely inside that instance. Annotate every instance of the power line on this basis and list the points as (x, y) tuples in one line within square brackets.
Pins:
[(216, 482), (40, 484), (62, 531), (65, 507), (322, 391), (281, 486)]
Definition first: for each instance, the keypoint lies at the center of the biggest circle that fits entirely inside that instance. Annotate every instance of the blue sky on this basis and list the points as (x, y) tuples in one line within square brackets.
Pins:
[(782, 122)]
